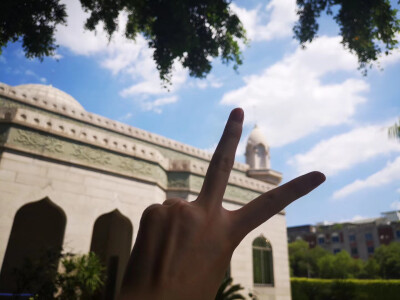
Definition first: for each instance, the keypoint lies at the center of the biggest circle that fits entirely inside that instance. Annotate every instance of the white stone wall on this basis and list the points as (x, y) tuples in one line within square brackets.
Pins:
[(242, 260), (84, 195)]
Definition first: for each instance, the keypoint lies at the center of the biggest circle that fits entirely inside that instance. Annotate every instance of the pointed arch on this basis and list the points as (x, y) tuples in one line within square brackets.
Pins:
[(36, 237), (263, 271), (112, 242), (260, 156)]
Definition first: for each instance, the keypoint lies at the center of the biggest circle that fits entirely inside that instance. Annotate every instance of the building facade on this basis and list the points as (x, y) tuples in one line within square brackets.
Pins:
[(358, 238), (80, 181)]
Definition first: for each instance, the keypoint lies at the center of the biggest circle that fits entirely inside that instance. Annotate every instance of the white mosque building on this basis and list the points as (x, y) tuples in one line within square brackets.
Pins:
[(73, 179)]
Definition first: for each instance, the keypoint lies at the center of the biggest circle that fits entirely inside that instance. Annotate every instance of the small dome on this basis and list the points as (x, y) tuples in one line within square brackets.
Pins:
[(257, 137), (51, 94)]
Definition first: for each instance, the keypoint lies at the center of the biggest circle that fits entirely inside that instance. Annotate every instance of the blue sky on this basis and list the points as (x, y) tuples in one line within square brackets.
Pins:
[(316, 109)]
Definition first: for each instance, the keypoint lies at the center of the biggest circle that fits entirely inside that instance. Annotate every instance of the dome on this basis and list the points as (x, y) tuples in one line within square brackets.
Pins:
[(50, 93), (257, 137)]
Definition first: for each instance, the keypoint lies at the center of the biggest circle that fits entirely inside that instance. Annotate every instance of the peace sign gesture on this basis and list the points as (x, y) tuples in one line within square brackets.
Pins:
[(183, 248)]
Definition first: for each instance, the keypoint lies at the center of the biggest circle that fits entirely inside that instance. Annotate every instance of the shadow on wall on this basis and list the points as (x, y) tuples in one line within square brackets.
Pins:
[(37, 237), (112, 242), (37, 229)]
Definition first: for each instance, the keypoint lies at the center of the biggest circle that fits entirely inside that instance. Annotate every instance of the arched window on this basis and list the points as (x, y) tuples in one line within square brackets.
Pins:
[(263, 271), (260, 157), (36, 239), (112, 242)]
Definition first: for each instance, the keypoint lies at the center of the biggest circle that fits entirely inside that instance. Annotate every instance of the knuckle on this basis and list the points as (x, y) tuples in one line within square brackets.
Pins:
[(182, 208), (273, 195), (172, 201), (152, 212), (183, 211)]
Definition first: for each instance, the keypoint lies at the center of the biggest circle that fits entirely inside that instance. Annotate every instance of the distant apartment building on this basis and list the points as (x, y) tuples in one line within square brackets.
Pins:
[(359, 238)]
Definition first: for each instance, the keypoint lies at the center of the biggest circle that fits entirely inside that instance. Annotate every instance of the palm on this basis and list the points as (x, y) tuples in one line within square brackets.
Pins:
[(227, 291)]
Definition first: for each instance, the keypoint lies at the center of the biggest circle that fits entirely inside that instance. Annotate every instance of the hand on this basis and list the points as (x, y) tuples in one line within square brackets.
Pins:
[(184, 248)]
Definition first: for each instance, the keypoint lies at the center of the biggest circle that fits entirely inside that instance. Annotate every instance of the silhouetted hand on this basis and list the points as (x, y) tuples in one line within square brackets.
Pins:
[(183, 248)]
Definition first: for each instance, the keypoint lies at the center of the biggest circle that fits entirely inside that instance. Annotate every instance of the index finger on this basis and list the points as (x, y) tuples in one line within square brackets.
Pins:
[(222, 161), (268, 204)]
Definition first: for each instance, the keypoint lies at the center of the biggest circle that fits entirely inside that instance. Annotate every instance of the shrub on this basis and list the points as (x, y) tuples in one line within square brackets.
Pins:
[(79, 277), (344, 289)]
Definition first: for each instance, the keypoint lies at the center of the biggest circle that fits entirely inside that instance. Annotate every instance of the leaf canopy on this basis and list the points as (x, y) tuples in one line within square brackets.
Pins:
[(368, 27), (192, 32), (34, 21)]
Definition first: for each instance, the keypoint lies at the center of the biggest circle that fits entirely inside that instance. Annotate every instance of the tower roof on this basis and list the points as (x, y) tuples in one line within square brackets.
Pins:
[(256, 137), (50, 93)]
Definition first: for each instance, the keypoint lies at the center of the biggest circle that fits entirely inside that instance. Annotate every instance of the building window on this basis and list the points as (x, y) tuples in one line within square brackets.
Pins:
[(321, 240), (352, 238), (370, 250), (335, 239), (354, 251), (368, 236), (335, 251), (260, 161), (398, 234), (263, 271)]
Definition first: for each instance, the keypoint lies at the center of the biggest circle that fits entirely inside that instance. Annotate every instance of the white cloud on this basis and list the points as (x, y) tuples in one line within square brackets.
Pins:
[(135, 59), (20, 53), (150, 84), (395, 205), (289, 101), (358, 218), (126, 117), (36, 76), (57, 56), (209, 82), (74, 37), (30, 73), (121, 56), (346, 150), (355, 218), (158, 103), (325, 222), (390, 173), (392, 58), (274, 20), (3, 59)]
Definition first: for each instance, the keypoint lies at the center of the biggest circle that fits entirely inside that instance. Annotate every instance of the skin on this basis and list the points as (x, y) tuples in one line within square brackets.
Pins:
[(184, 248)]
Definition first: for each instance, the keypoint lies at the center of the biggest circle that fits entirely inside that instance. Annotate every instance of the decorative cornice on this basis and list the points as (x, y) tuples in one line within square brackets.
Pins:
[(266, 175), (39, 144), (80, 135), (199, 168), (114, 126), (192, 183)]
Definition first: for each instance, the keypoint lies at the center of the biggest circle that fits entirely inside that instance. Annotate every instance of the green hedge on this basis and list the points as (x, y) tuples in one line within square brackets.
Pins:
[(344, 289)]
